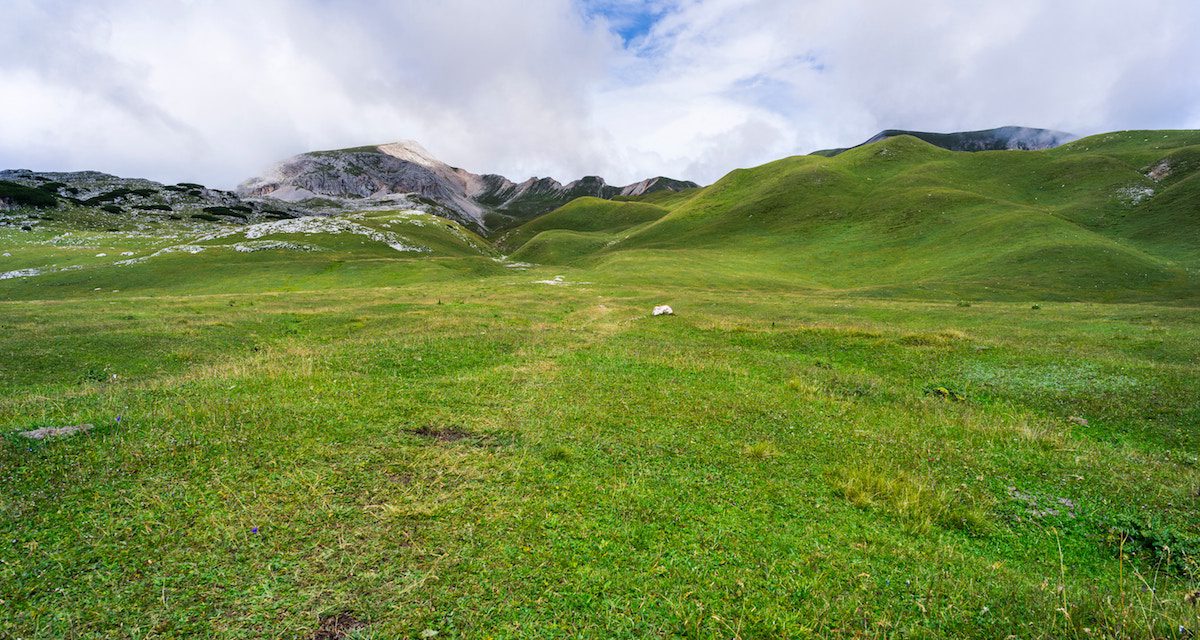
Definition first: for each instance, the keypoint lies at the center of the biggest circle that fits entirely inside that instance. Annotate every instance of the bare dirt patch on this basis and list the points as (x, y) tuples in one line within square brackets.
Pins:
[(443, 433), (338, 627)]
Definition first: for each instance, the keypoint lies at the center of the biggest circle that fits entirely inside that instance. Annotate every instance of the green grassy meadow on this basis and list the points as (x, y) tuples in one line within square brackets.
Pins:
[(863, 420)]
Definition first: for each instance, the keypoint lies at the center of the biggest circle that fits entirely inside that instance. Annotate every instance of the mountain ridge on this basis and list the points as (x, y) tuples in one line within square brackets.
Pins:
[(483, 201), (1007, 138)]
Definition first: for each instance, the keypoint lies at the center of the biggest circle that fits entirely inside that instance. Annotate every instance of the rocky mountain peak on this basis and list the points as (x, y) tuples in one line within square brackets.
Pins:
[(374, 176)]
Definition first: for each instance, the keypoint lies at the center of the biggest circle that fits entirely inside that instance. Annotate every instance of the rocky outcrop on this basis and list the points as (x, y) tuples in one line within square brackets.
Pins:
[(116, 195), (363, 176)]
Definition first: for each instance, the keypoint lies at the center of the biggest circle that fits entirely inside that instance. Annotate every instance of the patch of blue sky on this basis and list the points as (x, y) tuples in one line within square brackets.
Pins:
[(630, 19)]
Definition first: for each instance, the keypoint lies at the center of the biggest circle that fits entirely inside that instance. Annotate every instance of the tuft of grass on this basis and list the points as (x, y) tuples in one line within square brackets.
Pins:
[(920, 503), (762, 450)]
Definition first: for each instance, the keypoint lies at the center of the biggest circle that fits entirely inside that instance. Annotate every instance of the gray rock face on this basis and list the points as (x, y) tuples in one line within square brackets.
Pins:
[(369, 176)]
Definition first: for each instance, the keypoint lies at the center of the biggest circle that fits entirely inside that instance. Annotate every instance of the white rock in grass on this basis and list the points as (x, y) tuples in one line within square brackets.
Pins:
[(663, 310)]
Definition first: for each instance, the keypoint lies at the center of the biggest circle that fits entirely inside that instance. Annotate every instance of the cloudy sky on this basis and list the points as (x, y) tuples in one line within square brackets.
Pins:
[(215, 90)]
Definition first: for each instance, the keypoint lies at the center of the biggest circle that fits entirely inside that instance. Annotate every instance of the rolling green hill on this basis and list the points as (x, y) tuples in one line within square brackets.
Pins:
[(597, 216), (1104, 218)]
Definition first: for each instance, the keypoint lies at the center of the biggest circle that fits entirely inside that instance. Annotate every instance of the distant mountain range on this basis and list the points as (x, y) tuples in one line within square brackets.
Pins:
[(999, 139), (379, 175), (402, 175)]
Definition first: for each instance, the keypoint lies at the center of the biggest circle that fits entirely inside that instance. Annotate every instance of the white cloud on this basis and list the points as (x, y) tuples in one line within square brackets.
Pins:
[(213, 90)]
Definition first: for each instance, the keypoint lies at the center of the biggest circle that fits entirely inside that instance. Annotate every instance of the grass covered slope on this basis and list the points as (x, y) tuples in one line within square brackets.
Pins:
[(1105, 218), (576, 229), (587, 215), (506, 458)]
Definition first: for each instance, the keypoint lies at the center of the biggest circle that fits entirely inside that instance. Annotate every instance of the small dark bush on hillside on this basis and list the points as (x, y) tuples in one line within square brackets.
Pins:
[(95, 374), (272, 213), (112, 208), (51, 187), (22, 196), (145, 193), (191, 185), (175, 187), (154, 207), (205, 216), (225, 211), (107, 197), (195, 194)]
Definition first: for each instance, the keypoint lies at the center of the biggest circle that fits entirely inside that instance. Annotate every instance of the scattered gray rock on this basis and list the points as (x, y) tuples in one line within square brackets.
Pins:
[(1078, 420), (663, 310), (56, 432), (1039, 507), (1159, 171)]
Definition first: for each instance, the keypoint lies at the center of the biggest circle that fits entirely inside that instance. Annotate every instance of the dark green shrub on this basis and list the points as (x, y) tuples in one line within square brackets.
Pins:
[(22, 196), (112, 208), (205, 216), (225, 211)]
